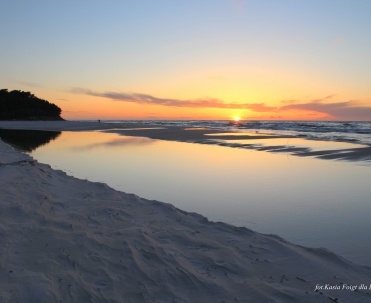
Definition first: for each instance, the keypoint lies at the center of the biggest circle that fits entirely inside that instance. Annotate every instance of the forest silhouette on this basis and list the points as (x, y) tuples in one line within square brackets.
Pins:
[(21, 105)]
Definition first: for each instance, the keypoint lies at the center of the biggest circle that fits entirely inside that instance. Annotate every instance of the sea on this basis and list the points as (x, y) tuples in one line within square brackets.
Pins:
[(341, 131)]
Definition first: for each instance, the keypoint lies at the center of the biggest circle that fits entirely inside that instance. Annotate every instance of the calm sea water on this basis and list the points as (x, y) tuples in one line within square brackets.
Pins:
[(343, 131)]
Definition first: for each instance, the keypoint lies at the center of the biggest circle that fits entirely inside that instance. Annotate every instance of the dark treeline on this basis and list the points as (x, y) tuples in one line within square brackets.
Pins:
[(20, 105)]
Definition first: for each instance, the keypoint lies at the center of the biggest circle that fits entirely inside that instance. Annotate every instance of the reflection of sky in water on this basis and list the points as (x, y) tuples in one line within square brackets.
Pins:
[(305, 200), (116, 142)]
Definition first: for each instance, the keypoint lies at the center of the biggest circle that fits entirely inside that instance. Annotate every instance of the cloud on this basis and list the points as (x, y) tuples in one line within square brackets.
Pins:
[(347, 110), (294, 101), (197, 103)]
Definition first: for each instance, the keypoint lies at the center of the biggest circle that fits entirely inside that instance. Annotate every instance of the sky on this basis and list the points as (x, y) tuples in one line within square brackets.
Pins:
[(209, 59)]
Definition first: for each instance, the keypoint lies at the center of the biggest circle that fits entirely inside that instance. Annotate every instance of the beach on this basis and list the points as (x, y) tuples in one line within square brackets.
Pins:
[(193, 135), (70, 240)]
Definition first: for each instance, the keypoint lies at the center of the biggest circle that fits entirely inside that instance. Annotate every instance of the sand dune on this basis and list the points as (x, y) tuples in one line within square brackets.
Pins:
[(70, 240)]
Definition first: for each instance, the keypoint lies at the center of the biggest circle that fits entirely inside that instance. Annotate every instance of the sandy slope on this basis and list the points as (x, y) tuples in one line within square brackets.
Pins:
[(70, 240)]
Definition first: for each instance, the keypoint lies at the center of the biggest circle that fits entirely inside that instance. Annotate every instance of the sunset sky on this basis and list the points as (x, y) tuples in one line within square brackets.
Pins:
[(191, 59)]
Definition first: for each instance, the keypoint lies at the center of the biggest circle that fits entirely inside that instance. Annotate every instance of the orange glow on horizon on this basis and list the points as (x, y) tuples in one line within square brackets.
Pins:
[(83, 107)]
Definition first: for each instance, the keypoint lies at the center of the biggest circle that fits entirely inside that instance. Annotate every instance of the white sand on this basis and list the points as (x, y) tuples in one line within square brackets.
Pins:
[(70, 240)]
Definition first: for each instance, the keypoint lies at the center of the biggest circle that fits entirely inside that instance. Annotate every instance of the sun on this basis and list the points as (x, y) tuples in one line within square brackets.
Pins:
[(236, 118)]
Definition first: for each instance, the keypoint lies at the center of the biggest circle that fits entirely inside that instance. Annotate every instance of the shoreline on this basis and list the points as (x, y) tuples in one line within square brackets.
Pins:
[(73, 240), (196, 135)]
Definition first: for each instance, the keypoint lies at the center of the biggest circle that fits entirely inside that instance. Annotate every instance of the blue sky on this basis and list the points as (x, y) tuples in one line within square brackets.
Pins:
[(268, 53)]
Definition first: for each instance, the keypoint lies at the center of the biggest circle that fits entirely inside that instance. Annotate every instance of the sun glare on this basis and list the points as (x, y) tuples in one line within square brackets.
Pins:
[(236, 118)]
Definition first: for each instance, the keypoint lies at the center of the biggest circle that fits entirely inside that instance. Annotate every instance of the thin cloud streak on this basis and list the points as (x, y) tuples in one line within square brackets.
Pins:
[(341, 110), (347, 110), (198, 103)]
